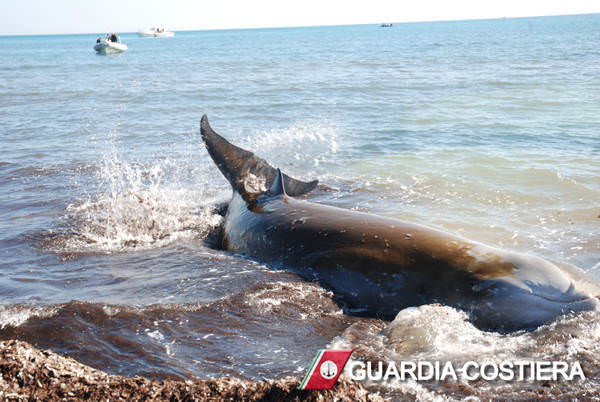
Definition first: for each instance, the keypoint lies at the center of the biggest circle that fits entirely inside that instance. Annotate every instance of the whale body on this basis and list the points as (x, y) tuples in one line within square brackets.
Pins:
[(377, 266)]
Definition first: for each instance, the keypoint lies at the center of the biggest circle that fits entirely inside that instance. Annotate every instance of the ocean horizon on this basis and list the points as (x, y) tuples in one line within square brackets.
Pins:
[(310, 26)]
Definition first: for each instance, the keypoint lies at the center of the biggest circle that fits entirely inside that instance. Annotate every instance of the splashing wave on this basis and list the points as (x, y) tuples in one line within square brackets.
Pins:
[(137, 205)]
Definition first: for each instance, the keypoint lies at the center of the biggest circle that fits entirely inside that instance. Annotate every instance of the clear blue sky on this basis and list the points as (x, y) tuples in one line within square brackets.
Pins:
[(83, 16)]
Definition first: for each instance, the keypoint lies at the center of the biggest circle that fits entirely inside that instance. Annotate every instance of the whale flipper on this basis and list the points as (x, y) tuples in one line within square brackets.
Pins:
[(248, 174)]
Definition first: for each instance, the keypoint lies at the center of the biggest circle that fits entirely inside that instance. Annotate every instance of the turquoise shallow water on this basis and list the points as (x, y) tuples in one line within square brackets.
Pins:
[(488, 129)]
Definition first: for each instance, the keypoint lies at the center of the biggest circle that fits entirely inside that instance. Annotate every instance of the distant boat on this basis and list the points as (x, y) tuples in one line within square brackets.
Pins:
[(386, 25), (156, 32), (110, 44)]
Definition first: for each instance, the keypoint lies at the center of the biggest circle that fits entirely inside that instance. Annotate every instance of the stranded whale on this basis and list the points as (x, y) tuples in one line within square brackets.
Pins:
[(377, 266)]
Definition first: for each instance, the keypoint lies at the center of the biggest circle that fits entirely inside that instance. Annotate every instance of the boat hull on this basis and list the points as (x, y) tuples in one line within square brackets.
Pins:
[(106, 47), (150, 34)]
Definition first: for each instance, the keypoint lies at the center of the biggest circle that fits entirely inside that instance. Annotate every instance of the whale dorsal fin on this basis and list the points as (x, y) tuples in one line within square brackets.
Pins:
[(247, 173), (277, 188)]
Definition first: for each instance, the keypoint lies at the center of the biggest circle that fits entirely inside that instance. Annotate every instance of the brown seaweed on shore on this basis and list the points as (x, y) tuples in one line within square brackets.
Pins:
[(28, 373)]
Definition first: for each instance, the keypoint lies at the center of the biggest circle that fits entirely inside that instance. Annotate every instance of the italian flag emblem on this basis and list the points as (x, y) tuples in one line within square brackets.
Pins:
[(325, 369)]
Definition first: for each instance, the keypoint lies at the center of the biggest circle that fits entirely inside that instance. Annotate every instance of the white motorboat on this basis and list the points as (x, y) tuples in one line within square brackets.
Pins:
[(110, 44), (156, 32)]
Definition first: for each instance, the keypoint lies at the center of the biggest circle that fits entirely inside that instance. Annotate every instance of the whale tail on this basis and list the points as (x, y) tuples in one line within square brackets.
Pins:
[(248, 174)]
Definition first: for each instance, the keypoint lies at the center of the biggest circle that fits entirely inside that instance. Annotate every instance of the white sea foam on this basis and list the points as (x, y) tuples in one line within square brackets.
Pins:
[(444, 332), (156, 335), (304, 296), (300, 146), (140, 205), (15, 316)]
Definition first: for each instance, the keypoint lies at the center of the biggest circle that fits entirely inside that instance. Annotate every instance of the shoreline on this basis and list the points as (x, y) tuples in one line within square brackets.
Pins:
[(34, 374)]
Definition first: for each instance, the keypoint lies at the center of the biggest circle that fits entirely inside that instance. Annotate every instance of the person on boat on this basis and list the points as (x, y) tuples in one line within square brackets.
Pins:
[(99, 40), (113, 37)]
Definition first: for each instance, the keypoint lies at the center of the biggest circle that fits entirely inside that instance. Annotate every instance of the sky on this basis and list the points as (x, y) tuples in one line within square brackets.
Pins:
[(19, 17)]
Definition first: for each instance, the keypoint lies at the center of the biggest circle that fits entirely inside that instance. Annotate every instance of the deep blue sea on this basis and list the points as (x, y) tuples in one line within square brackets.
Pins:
[(489, 129)]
